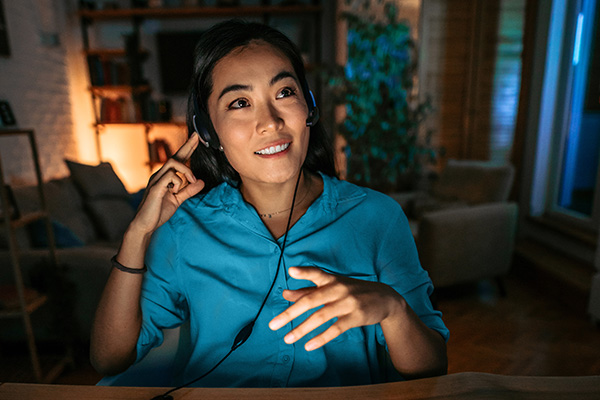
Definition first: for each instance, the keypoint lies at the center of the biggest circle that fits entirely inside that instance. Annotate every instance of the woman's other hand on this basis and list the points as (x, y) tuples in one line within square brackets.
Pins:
[(168, 188), (353, 302)]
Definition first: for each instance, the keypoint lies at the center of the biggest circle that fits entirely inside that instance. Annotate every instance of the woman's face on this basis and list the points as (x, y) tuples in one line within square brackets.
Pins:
[(259, 112)]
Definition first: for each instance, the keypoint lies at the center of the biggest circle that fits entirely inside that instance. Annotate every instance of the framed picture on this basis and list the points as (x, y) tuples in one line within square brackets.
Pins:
[(6, 116), (4, 42)]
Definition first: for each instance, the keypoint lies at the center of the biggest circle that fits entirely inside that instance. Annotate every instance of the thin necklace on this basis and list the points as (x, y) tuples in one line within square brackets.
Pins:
[(270, 215)]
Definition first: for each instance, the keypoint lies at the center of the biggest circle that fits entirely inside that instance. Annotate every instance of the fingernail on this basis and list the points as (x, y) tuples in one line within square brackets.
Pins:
[(310, 346), (274, 325), (289, 338)]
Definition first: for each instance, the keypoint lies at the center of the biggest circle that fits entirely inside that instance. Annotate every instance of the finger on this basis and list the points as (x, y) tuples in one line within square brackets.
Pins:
[(317, 319), (313, 274), (185, 152), (171, 181), (172, 165), (190, 190), (295, 295), (317, 298), (335, 330)]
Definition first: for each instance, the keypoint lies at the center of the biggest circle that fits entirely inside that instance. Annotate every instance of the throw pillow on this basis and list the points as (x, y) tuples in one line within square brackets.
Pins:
[(105, 197), (97, 181), (63, 236)]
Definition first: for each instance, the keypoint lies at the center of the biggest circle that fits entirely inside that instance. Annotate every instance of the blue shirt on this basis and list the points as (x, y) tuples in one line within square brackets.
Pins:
[(212, 265)]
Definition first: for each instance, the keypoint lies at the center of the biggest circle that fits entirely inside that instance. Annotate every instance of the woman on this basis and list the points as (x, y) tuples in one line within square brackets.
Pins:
[(286, 275)]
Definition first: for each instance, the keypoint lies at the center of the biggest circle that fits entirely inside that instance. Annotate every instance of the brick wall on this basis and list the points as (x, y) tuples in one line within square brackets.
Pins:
[(34, 80)]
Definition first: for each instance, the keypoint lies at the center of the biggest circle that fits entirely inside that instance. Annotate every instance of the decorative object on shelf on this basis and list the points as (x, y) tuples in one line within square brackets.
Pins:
[(159, 151), (383, 114), (6, 115)]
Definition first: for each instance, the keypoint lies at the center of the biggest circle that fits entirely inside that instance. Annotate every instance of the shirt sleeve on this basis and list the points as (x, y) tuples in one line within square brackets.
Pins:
[(162, 301), (399, 267)]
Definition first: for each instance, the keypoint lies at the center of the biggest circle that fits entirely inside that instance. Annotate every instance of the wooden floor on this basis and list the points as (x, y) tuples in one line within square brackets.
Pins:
[(529, 332)]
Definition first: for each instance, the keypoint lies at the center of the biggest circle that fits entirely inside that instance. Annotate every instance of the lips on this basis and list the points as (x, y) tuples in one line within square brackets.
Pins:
[(267, 151)]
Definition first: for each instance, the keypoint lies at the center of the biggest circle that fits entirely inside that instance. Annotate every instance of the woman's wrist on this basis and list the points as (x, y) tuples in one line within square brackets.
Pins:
[(137, 235), (397, 309)]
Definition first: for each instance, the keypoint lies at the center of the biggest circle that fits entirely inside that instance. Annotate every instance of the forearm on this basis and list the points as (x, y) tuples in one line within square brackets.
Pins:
[(416, 350), (118, 317)]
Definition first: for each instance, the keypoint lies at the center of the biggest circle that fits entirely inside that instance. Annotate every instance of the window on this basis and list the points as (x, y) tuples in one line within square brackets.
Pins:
[(574, 187)]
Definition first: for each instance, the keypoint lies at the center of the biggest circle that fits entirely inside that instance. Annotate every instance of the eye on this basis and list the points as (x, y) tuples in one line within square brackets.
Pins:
[(239, 103), (286, 92)]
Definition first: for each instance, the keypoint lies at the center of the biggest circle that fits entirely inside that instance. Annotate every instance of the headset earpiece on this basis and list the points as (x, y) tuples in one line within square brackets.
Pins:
[(203, 125), (313, 110)]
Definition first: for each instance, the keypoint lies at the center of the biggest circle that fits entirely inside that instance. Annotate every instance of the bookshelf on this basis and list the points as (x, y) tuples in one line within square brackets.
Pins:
[(16, 299), (120, 93)]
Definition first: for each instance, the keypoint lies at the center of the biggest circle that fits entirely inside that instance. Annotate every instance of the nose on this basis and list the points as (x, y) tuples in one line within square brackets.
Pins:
[(268, 119)]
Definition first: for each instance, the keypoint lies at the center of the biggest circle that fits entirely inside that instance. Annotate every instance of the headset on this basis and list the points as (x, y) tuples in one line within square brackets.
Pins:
[(208, 136)]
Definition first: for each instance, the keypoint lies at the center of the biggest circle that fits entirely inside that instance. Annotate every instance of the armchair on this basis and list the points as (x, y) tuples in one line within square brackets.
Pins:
[(464, 227)]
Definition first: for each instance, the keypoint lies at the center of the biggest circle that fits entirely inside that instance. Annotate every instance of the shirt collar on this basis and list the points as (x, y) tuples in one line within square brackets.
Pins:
[(337, 197)]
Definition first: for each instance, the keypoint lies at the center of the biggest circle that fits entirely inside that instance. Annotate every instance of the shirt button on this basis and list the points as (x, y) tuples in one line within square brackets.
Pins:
[(276, 250), (286, 359)]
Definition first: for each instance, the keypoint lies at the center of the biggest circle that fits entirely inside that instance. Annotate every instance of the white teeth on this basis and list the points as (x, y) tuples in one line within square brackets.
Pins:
[(274, 149)]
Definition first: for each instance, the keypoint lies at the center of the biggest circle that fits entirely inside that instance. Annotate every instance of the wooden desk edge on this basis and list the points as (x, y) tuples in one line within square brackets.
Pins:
[(466, 385)]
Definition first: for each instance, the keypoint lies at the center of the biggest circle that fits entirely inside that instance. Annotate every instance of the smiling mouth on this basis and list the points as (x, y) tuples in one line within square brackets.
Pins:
[(273, 149)]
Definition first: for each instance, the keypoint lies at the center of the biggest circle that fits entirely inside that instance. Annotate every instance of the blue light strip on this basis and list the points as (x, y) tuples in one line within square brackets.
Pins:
[(577, 48)]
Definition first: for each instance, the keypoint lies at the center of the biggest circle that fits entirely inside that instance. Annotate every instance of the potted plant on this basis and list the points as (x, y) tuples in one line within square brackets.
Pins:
[(383, 113)]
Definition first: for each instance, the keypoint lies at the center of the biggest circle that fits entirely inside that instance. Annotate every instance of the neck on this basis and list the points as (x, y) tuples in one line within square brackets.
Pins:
[(275, 198)]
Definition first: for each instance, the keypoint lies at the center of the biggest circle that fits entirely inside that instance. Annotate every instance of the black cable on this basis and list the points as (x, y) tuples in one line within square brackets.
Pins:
[(246, 331)]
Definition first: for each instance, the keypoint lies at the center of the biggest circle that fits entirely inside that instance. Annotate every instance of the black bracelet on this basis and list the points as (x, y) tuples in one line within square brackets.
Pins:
[(123, 268)]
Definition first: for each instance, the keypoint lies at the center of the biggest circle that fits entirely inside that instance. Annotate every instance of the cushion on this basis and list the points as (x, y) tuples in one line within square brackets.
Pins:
[(112, 216), (474, 182), (67, 209), (105, 197), (63, 236), (97, 181)]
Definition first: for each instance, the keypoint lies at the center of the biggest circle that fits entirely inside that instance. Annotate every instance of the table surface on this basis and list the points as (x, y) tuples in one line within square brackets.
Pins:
[(467, 385)]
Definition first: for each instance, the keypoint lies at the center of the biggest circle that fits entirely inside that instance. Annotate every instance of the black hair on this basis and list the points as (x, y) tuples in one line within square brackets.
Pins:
[(210, 164)]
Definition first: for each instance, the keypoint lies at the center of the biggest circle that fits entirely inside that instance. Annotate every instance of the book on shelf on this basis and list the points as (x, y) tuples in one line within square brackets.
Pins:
[(138, 109), (108, 72)]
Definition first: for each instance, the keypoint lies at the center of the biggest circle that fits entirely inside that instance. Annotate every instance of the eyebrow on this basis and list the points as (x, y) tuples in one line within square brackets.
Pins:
[(279, 77)]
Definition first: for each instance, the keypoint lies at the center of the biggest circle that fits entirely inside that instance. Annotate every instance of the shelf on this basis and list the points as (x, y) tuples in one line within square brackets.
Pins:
[(144, 123), (100, 90), (9, 304), (197, 12), (112, 53)]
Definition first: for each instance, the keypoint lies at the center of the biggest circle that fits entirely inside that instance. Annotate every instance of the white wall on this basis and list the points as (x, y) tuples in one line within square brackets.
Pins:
[(34, 80)]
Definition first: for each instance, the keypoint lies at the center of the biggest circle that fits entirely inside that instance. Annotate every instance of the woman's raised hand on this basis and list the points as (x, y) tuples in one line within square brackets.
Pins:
[(167, 189)]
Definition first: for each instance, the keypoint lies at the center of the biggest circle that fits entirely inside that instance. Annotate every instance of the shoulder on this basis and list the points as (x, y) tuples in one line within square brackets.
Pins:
[(365, 200)]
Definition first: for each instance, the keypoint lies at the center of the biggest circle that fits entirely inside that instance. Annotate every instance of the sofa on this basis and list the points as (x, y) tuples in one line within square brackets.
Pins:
[(464, 225), (89, 210)]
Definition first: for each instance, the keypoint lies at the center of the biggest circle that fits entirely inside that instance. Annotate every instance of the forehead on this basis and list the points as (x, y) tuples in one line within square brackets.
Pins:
[(254, 60)]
